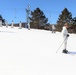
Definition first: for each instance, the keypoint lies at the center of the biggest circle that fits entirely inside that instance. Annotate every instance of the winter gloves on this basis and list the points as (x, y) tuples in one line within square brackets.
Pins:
[(67, 35)]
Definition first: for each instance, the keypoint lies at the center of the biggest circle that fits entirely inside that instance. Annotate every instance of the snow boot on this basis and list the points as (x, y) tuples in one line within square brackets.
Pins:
[(65, 51)]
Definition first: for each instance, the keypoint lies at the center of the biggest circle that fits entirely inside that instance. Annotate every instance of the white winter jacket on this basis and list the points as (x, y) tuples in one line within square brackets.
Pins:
[(53, 27), (64, 32)]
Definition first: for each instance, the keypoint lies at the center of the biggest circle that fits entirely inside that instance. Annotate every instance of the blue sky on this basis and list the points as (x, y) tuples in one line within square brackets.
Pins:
[(15, 9)]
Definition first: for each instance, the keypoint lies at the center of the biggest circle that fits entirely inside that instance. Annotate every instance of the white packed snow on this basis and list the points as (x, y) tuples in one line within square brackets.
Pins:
[(33, 52)]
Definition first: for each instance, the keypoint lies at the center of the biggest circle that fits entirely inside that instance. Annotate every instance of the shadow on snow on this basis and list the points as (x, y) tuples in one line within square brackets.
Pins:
[(71, 52)]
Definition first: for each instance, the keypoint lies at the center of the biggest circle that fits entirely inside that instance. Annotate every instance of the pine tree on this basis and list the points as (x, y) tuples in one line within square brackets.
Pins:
[(3, 20), (64, 17), (74, 21), (73, 26), (38, 19)]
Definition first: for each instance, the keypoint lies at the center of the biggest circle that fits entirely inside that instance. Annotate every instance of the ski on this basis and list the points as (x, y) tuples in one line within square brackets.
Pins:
[(71, 53)]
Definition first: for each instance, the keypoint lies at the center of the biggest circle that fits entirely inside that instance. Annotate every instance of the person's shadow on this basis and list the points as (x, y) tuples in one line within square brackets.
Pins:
[(71, 52)]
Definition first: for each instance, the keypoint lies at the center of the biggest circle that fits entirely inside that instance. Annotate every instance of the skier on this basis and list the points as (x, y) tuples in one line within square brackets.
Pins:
[(65, 37), (20, 24), (53, 29), (29, 26)]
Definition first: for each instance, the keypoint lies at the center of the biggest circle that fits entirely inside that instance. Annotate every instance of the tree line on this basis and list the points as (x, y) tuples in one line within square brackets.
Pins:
[(66, 17), (38, 20)]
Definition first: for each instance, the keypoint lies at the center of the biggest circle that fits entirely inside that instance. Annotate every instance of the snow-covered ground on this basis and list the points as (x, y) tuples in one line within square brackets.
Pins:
[(33, 52)]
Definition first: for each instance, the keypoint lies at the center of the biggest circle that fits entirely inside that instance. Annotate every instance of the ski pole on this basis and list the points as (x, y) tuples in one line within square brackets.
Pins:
[(61, 45)]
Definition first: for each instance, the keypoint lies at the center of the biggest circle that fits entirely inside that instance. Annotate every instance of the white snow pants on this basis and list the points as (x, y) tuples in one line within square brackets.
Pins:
[(65, 42)]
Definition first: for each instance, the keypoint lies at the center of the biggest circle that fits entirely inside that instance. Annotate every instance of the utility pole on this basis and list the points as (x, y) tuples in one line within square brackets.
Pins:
[(27, 15)]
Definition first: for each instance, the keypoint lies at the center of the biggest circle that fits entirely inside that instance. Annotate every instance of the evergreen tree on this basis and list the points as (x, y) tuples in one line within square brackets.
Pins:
[(73, 26), (3, 20), (1, 17), (64, 17), (38, 19), (74, 21)]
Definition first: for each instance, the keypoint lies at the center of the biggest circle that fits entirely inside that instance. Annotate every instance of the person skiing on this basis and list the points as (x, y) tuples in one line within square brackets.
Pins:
[(65, 37), (53, 29)]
